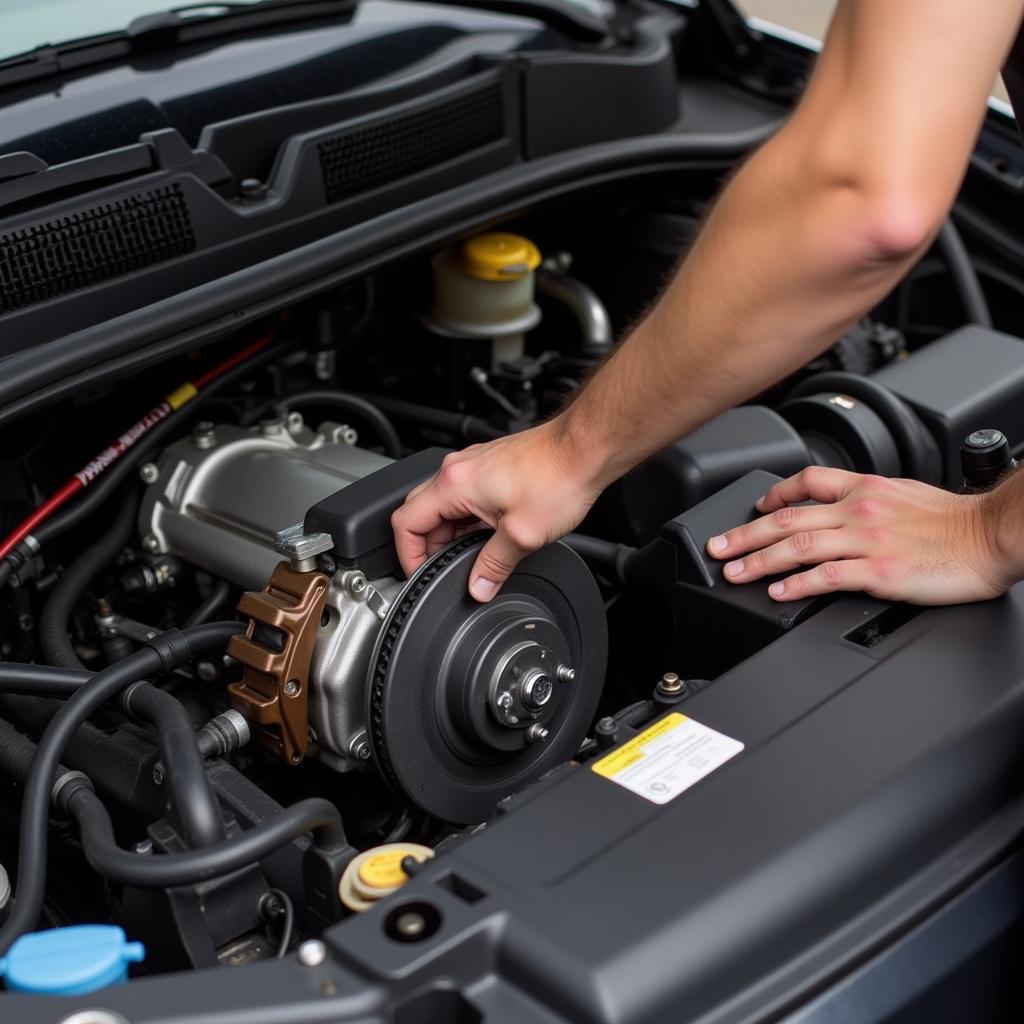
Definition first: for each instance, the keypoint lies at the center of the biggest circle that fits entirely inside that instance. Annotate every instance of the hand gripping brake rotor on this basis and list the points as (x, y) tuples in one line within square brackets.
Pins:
[(469, 702)]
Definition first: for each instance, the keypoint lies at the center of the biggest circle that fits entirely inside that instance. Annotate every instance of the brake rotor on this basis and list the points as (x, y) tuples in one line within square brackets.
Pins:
[(468, 702)]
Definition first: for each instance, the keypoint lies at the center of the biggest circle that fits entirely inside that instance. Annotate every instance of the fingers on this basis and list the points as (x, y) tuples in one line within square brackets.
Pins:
[(849, 574), (817, 483), (783, 523), (803, 548), (496, 562), (424, 516)]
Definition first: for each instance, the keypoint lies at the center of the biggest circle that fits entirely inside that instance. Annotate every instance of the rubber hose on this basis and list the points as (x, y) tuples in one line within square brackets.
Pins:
[(54, 623), (360, 407), (162, 654), (190, 797), (314, 815), (605, 554), (906, 429), (965, 277), (211, 604), (468, 428)]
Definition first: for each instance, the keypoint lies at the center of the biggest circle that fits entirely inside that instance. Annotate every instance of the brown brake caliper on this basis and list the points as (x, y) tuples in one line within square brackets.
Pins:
[(276, 651)]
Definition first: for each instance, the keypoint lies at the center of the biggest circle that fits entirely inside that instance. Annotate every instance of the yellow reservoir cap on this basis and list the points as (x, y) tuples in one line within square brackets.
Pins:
[(498, 256), (383, 870)]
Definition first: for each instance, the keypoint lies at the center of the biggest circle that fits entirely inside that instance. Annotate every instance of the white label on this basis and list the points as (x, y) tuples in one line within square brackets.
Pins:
[(667, 758)]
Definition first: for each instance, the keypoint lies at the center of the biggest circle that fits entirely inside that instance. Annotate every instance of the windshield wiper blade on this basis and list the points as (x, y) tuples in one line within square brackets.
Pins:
[(162, 30)]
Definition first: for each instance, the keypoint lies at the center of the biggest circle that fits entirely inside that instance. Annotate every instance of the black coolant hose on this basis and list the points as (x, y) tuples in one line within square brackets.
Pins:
[(907, 431), (55, 621), (161, 655), (965, 277), (210, 605), (314, 815), (359, 407), (17, 754), (467, 428), (605, 554), (191, 800)]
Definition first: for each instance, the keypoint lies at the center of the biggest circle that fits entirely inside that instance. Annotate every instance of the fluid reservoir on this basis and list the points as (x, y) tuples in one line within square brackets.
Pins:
[(483, 289)]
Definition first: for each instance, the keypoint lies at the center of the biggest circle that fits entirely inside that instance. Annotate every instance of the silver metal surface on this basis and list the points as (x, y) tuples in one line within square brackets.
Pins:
[(536, 733), (583, 303), (223, 495), (355, 610), (312, 953), (302, 548), (670, 684), (148, 473), (94, 1016)]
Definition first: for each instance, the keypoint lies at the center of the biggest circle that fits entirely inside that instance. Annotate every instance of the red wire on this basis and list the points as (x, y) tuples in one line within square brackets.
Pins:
[(138, 430)]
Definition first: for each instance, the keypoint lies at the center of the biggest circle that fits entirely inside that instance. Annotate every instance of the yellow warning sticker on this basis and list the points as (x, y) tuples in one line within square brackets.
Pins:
[(668, 758)]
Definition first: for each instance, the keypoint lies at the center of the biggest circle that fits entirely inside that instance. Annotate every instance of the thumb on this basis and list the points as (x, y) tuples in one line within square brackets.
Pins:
[(494, 565)]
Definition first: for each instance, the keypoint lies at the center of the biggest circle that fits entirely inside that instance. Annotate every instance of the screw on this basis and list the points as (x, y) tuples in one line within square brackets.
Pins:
[(291, 687), (148, 473), (357, 583), (504, 700), (536, 733), (203, 436), (158, 773), (349, 435), (151, 544), (252, 189), (312, 953), (294, 422), (566, 674), (144, 847), (410, 924), (670, 684)]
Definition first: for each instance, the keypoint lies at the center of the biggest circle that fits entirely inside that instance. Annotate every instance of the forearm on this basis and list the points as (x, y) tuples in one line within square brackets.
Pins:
[(1004, 506), (788, 259)]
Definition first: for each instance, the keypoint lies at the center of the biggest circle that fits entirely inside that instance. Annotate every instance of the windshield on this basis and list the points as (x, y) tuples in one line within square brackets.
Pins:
[(28, 24)]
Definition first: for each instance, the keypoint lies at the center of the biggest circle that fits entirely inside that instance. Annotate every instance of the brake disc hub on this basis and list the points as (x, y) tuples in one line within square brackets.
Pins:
[(468, 702)]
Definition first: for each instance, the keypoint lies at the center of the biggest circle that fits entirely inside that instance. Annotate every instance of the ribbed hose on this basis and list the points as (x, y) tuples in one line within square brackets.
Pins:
[(54, 623), (163, 654)]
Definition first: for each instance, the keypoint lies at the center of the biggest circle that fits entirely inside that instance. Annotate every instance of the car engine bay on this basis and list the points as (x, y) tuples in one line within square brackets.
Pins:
[(411, 713), (234, 734)]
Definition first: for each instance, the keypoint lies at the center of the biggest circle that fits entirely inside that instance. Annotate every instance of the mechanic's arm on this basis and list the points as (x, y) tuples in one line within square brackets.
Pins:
[(816, 227), (896, 539)]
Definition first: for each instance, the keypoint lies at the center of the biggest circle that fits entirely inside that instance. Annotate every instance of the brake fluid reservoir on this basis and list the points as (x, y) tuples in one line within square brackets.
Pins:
[(483, 288)]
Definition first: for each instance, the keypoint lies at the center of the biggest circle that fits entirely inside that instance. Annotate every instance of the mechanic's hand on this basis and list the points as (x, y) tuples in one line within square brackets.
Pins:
[(900, 540), (525, 487)]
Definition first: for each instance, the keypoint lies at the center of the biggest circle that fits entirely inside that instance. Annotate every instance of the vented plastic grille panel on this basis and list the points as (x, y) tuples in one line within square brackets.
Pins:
[(381, 153), (62, 255)]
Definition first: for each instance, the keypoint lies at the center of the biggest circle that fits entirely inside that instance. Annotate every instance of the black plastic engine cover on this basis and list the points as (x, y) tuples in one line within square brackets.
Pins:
[(725, 621), (358, 516)]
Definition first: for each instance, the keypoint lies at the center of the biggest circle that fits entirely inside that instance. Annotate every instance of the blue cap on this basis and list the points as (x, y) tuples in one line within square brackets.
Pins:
[(70, 961)]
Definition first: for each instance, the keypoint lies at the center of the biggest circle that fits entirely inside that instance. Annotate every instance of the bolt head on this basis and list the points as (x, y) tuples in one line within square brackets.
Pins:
[(291, 687), (158, 774), (504, 700), (670, 683), (537, 733), (151, 544), (410, 924), (312, 953), (566, 674), (148, 473)]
